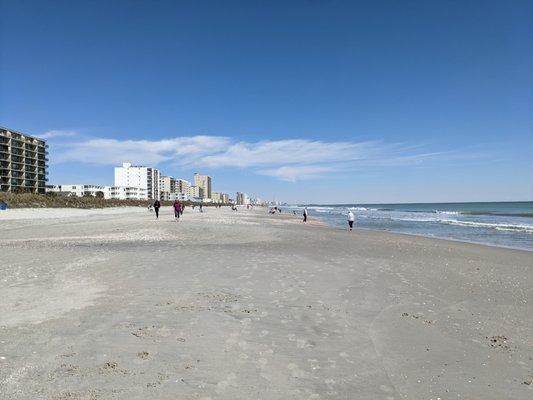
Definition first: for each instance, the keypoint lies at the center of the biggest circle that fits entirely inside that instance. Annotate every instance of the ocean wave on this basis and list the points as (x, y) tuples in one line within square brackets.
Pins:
[(444, 212), (500, 227), (522, 228), (500, 214)]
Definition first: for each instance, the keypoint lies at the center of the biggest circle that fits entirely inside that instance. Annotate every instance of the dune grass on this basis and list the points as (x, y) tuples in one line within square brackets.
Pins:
[(53, 200)]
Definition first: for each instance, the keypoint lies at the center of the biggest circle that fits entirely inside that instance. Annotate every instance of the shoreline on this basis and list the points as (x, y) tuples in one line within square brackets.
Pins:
[(54, 213)]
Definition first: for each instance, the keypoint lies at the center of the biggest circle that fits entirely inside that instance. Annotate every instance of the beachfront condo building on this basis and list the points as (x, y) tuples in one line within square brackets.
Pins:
[(107, 192), (183, 186), (125, 193), (203, 182), (242, 199), (220, 198), (171, 189), (140, 177), (196, 192), (167, 184), (23, 162)]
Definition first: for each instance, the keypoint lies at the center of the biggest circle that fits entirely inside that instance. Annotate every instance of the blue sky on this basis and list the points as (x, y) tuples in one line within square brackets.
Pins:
[(305, 101)]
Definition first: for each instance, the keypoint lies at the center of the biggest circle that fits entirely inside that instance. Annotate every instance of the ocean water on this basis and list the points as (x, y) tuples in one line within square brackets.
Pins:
[(505, 224)]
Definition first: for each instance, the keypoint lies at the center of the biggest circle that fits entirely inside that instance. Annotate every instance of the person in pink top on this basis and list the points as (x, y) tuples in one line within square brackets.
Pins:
[(178, 209)]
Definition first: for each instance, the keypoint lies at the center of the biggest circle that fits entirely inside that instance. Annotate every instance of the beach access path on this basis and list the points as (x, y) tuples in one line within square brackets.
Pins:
[(114, 304)]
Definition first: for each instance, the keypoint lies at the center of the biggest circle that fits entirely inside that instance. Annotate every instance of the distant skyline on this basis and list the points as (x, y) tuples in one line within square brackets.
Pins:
[(301, 101)]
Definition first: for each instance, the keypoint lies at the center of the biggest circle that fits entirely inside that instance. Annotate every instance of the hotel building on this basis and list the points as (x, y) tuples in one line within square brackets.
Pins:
[(23, 162), (183, 186), (108, 192), (220, 198), (242, 199), (140, 177), (204, 183), (196, 192)]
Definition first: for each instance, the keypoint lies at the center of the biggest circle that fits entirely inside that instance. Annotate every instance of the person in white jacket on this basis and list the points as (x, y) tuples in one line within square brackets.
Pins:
[(351, 219)]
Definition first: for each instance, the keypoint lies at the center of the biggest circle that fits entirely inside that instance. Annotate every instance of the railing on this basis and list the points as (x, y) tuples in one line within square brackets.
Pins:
[(17, 144)]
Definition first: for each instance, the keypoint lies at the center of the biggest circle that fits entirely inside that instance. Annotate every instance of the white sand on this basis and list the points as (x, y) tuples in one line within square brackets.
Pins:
[(113, 304)]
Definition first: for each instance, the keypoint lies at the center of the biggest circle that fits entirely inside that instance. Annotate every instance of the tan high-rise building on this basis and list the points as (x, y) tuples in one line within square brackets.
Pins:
[(203, 182), (183, 186), (23, 162)]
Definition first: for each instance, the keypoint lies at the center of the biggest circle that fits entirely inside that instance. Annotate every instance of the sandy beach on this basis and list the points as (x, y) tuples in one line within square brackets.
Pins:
[(114, 304)]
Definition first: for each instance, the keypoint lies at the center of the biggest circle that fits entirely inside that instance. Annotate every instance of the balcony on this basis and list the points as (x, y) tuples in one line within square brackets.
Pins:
[(17, 144)]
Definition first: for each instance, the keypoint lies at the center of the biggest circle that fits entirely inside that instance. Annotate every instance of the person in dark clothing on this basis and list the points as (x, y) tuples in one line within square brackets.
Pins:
[(305, 214), (157, 206)]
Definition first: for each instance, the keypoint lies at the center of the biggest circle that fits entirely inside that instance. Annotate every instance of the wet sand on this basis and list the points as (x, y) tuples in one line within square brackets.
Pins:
[(112, 304)]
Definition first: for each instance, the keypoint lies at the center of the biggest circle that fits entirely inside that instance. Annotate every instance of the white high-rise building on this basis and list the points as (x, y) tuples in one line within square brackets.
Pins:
[(140, 177), (242, 199)]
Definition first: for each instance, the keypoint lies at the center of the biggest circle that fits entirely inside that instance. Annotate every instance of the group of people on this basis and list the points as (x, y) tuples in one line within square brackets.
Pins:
[(178, 207)]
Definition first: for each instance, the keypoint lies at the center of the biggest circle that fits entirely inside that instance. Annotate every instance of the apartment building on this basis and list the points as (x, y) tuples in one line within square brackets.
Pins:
[(23, 162), (140, 177), (215, 197), (183, 186), (107, 192), (242, 199), (221, 198), (167, 184), (196, 192), (83, 190), (203, 182), (174, 196), (125, 193)]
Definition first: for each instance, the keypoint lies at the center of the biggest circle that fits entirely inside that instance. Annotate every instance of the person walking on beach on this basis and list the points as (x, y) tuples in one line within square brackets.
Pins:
[(351, 219), (157, 206), (177, 209), (305, 214)]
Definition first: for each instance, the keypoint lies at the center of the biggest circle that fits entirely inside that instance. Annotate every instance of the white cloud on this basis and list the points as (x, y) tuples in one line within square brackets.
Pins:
[(142, 152), (58, 133), (296, 151), (296, 173), (289, 160)]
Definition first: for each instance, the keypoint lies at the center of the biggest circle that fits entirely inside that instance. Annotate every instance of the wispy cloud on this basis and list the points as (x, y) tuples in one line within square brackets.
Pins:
[(185, 150), (297, 151), (59, 133), (295, 173), (289, 160)]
